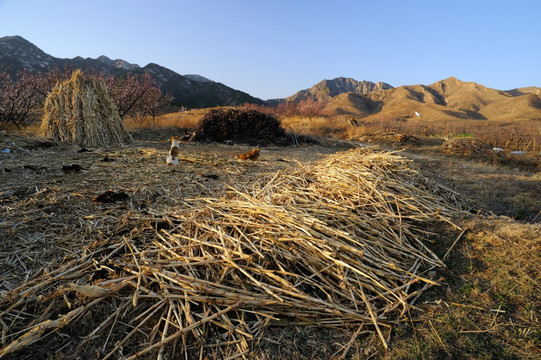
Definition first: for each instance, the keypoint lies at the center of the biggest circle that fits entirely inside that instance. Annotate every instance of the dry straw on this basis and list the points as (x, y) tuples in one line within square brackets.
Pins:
[(338, 243), (80, 112), (464, 146)]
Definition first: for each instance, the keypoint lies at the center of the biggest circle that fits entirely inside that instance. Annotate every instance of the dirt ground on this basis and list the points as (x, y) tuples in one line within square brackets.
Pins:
[(42, 184), (48, 191)]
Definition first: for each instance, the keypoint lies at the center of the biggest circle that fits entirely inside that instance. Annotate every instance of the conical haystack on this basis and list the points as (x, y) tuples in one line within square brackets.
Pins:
[(80, 112)]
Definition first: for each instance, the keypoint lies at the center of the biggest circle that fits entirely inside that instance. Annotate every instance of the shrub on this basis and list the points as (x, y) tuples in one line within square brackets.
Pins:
[(246, 126)]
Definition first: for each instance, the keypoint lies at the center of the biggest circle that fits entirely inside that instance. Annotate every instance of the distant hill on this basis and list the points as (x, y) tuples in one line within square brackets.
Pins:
[(351, 103), (327, 89), (448, 99), (525, 90), (193, 91)]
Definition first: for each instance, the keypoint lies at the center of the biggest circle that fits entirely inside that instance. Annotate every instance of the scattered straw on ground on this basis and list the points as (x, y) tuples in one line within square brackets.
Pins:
[(335, 243)]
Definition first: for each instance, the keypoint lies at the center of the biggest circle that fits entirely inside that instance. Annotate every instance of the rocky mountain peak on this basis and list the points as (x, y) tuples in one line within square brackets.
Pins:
[(327, 89), (118, 63), (16, 53)]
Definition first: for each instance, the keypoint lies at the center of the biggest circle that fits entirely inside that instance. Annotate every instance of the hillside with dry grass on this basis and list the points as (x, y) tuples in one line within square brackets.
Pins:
[(445, 100)]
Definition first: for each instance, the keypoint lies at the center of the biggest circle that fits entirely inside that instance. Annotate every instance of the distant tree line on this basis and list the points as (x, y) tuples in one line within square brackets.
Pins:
[(22, 96)]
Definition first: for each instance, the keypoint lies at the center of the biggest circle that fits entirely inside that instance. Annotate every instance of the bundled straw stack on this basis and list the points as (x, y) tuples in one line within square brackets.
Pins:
[(80, 112), (338, 243), (464, 146)]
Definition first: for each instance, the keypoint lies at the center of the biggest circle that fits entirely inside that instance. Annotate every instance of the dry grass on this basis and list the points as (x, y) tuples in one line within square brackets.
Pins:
[(503, 185), (98, 266), (179, 119), (525, 135), (319, 126), (185, 262), (489, 306)]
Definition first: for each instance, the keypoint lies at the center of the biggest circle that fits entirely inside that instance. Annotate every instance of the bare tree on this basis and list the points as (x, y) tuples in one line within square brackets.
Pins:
[(155, 101), (128, 91), (286, 109), (310, 108), (20, 97), (265, 109)]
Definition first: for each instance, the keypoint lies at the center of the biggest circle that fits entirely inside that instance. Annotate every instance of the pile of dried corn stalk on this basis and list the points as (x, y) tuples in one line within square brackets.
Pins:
[(337, 243), (464, 146), (81, 112)]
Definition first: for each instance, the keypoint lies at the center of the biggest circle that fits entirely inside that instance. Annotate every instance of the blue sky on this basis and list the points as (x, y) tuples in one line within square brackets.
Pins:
[(272, 49)]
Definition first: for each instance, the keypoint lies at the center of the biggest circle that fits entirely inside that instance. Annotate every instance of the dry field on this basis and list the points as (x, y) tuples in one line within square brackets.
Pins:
[(96, 259)]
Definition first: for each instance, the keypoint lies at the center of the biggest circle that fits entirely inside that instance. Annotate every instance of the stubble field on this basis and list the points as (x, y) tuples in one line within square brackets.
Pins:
[(60, 205)]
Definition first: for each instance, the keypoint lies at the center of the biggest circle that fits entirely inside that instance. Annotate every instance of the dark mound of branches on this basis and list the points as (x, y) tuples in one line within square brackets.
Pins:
[(240, 126)]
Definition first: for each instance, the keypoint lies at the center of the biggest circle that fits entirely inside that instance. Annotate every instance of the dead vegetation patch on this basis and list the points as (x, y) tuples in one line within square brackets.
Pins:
[(240, 126), (489, 304), (204, 257), (464, 146), (392, 138)]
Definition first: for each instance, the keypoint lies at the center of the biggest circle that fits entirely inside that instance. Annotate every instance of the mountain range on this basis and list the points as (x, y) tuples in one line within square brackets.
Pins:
[(444, 100), (327, 89), (448, 99), (192, 91)]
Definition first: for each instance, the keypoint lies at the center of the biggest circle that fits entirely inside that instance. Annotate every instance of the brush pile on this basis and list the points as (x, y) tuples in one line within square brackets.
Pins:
[(338, 243), (240, 126), (80, 112), (464, 146)]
